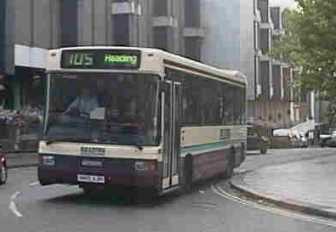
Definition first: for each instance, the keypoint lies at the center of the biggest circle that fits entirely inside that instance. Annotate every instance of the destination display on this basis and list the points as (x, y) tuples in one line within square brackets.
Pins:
[(100, 59)]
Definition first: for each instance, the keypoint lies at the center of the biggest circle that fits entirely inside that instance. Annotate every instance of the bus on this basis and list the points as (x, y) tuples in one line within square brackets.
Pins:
[(140, 118)]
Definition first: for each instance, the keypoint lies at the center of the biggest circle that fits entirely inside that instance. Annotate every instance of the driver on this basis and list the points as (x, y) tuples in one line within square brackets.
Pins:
[(85, 103)]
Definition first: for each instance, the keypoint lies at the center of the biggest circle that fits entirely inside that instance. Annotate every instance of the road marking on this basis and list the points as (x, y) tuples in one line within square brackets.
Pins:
[(222, 193), (15, 195), (14, 210), (12, 205), (34, 184)]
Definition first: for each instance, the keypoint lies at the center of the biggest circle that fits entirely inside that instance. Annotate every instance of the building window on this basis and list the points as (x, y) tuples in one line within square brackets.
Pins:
[(275, 15), (279, 116), (193, 48), (2, 35), (160, 8), (276, 75), (192, 13), (264, 40), (121, 32), (161, 38), (263, 8), (265, 79), (69, 22)]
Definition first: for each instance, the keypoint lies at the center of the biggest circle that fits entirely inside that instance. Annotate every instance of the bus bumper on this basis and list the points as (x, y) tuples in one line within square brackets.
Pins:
[(120, 172)]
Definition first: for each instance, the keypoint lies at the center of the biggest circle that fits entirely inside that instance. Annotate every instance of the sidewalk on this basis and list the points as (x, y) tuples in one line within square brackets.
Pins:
[(17, 160), (307, 186)]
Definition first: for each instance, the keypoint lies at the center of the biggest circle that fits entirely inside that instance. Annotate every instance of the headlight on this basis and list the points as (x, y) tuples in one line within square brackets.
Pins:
[(143, 166), (48, 160)]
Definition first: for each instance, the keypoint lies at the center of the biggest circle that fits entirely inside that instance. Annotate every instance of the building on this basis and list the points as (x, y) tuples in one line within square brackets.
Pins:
[(229, 37), (38, 25), (278, 103), (240, 35)]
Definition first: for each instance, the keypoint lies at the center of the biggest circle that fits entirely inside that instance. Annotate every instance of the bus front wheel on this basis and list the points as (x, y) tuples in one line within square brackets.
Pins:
[(88, 189)]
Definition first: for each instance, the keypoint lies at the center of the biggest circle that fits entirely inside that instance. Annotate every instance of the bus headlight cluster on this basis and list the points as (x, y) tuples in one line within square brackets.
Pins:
[(48, 160), (143, 166)]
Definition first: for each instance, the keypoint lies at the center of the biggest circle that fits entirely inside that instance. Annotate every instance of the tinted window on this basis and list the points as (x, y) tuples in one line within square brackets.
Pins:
[(209, 102)]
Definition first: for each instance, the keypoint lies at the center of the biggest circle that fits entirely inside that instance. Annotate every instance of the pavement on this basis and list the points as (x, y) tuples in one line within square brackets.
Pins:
[(305, 183), (22, 159)]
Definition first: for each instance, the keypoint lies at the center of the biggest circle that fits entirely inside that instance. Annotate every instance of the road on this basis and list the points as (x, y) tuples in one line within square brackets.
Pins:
[(34, 208)]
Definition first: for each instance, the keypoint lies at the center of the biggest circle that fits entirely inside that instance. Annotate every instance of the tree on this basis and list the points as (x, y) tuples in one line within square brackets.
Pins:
[(309, 43)]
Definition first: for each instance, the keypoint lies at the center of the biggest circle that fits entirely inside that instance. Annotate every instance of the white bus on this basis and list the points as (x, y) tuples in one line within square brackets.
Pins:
[(139, 117)]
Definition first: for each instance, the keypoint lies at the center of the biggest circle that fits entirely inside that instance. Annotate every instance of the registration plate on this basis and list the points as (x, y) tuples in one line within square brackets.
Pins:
[(91, 179)]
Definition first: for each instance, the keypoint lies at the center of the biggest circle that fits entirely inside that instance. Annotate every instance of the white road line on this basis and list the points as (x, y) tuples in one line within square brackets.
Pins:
[(34, 184), (15, 195), (12, 205), (14, 210), (219, 191)]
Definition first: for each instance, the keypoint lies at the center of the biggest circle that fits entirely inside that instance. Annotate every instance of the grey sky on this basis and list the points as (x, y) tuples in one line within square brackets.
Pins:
[(283, 3)]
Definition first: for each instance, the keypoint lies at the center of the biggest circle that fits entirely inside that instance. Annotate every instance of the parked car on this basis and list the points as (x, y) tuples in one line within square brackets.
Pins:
[(324, 138), (255, 141), (331, 142), (3, 167), (325, 134)]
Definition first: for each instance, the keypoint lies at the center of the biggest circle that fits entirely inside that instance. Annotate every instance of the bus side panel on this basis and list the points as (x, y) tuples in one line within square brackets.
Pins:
[(211, 154), (210, 164)]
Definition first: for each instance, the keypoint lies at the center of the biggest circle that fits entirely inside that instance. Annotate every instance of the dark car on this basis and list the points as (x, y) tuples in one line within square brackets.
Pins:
[(331, 142), (325, 133), (3, 168), (255, 141), (324, 138)]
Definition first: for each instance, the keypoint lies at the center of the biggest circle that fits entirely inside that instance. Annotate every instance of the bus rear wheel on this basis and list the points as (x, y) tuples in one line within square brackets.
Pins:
[(231, 163), (188, 170)]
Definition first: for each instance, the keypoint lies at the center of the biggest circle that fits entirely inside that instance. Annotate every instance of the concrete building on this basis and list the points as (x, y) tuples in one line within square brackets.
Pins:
[(229, 37), (240, 35), (37, 25), (278, 104)]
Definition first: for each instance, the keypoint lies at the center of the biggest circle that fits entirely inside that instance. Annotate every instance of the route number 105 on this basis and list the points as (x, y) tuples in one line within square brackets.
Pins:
[(81, 59)]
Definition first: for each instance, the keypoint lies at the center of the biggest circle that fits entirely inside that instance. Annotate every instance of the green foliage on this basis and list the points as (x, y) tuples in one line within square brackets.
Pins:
[(309, 43)]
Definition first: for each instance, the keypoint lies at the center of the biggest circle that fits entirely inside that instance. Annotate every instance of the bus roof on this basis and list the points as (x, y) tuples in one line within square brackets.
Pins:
[(169, 60)]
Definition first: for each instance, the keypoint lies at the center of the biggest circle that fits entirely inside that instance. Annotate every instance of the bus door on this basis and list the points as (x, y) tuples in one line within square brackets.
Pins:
[(171, 154)]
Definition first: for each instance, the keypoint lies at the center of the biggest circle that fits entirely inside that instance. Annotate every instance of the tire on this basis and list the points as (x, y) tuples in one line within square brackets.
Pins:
[(88, 190), (229, 170), (3, 175), (188, 170), (263, 151)]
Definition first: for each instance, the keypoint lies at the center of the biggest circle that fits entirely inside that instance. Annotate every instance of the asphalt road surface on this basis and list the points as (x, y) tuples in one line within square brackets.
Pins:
[(28, 207)]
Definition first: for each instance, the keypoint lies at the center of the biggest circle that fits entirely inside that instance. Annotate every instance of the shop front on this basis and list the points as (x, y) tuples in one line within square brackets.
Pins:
[(21, 100)]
